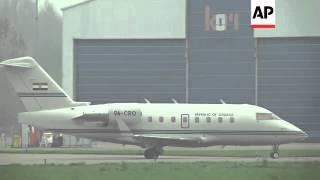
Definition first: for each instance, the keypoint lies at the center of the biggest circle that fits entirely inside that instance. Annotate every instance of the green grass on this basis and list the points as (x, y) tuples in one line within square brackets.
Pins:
[(159, 171), (193, 152), (245, 153)]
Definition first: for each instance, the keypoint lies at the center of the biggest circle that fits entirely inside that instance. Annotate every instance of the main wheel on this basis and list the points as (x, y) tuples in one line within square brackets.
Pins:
[(274, 155), (148, 154), (151, 154)]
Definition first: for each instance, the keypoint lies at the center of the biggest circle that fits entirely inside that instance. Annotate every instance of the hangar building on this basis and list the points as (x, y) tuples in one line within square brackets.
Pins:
[(195, 51)]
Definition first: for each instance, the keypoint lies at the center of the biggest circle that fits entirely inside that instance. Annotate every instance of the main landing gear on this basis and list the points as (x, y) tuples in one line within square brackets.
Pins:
[(275, 152), (152, 153)]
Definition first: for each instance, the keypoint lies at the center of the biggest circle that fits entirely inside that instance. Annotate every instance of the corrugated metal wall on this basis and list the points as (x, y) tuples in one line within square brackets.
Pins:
[(220, 58), (221, 55), (289, 80), (130, 70)]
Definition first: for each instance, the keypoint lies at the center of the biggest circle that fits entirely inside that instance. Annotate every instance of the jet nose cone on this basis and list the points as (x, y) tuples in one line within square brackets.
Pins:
[(302, 135), (305, 135)]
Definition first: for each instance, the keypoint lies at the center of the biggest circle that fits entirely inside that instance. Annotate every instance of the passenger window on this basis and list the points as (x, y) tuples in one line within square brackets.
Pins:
[(173, 119), (231, 119), (149, 119), (208, 119), (220, 119), (196, 119), (161, 119), (275, 117)]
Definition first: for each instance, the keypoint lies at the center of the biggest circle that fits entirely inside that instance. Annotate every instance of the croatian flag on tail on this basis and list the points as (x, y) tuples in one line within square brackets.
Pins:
[(40, 86)]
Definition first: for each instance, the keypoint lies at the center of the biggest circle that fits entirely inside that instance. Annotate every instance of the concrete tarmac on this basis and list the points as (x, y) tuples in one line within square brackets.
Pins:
[(28, 159)]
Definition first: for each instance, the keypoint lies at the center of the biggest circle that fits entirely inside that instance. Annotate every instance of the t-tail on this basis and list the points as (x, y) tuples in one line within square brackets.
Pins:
[(33, 85)]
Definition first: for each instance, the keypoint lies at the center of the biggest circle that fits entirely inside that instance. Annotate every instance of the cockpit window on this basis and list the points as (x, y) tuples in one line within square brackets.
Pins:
[(266, 116), (276, 117)]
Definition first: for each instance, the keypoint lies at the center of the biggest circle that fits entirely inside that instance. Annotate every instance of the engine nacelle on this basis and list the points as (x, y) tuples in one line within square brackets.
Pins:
[(97, 113), (96, 117)]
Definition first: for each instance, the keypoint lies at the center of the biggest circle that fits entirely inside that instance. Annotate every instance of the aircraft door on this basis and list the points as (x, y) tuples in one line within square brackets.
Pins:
[(184, 120)]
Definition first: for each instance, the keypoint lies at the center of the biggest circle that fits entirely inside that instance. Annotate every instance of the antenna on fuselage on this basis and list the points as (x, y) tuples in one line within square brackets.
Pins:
[(174, 101), (222, 101), (147, 101)]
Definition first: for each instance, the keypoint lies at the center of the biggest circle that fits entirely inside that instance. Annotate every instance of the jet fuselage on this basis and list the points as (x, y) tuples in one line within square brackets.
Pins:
[(190, 125)]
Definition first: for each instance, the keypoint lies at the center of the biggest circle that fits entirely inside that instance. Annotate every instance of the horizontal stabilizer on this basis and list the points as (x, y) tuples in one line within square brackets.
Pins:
[(18, 65)]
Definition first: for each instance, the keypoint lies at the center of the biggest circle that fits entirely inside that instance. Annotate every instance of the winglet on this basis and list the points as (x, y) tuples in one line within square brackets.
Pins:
[(174, 101), (147, 101), (222, 101)]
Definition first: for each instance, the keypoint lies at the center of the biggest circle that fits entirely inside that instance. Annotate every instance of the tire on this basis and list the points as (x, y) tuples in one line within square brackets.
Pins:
[(147, 154), (151, 154), (274, 155)]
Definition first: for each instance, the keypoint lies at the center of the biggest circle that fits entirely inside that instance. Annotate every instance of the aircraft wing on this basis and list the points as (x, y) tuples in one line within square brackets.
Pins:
[(167, 139)]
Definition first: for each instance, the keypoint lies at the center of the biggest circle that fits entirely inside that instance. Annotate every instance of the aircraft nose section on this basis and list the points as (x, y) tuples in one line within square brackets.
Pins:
[(304, 134), (300, 134)]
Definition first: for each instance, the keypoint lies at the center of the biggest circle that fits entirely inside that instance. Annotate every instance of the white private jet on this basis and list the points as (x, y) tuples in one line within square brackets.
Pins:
[(148, 125)]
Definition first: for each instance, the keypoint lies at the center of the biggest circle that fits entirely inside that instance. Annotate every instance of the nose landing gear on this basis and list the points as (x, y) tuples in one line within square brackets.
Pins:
[(275, 152)]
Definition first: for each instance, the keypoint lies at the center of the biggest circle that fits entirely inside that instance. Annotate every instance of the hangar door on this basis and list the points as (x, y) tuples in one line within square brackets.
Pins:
[(109, 71), (221, 52), (289, 80)]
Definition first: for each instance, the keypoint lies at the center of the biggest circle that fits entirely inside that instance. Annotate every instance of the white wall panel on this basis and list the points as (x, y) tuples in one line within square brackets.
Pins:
[(119, 19)]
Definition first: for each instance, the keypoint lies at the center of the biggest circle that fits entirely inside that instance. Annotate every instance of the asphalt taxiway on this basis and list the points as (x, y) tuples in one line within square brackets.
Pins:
[(26, 159)]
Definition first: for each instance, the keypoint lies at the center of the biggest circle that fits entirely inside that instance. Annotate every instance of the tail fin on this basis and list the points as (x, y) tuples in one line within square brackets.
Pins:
[(36, 89)]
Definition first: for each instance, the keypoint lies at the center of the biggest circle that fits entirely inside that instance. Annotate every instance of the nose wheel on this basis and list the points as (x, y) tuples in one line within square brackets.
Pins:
[(275, 152), (152, 153)]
